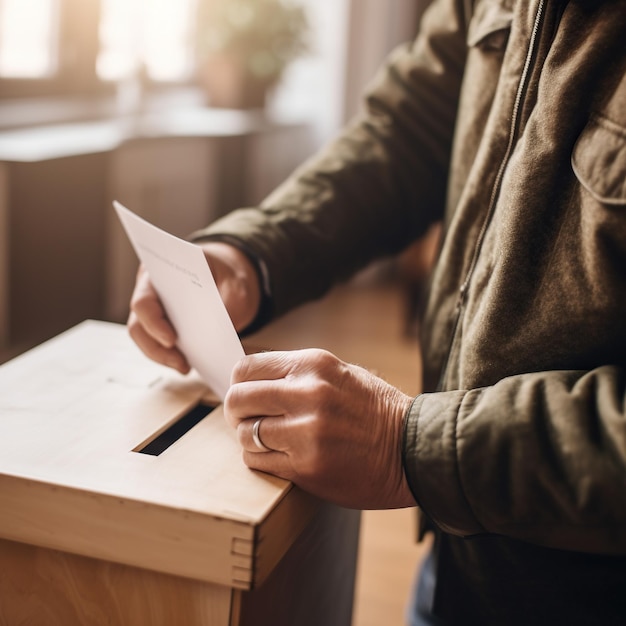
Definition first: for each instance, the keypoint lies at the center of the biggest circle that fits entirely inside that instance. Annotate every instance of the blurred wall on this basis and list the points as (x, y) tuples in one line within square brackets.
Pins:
[(375, 29), (63, 257)]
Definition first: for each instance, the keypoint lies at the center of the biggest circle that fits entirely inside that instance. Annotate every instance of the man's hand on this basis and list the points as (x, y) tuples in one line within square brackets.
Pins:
[(237, 282), (333, 428)]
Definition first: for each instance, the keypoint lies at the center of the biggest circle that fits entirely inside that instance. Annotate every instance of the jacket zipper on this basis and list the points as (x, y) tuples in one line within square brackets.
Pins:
[(514, 128)]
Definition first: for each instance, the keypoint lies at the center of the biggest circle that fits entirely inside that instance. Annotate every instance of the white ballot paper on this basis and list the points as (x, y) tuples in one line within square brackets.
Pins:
[(181, 276)]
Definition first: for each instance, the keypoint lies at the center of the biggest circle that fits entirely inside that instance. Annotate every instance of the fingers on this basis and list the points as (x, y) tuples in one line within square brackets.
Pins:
[(274, 463), (273, 458), (275, 433), (250, 399), (263, 366), (311, 362), (149, 312), (280, 384), (258, 387), (171, 357), (150, 329), (237, 281)]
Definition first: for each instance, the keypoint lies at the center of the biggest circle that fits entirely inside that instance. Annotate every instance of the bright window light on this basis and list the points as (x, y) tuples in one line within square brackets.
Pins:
[(155, 34), (28, 36)]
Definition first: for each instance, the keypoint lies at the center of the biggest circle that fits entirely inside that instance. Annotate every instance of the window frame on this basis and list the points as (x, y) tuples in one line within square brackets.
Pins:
[(78, 48)]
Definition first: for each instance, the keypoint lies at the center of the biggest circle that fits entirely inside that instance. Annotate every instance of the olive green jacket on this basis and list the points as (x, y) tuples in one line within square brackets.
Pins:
[(506, 119)]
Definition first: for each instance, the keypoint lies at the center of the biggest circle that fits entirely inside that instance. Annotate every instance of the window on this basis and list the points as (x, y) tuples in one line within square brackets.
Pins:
[(56, 47), (156, 36), (28, 38)]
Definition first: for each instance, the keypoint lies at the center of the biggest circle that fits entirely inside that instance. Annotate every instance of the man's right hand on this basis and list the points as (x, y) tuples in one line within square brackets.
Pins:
[(237, 281)]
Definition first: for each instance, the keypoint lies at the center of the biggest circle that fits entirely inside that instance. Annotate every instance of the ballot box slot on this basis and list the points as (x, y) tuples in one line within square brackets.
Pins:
[(175, 431)]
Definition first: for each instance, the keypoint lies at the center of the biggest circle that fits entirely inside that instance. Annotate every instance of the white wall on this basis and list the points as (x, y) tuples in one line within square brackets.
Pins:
[(375, 28), (350, 39), (314, 85)]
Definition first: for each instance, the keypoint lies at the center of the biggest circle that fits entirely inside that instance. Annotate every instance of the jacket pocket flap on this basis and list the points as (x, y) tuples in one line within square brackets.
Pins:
[(599, 160), (489, 25)]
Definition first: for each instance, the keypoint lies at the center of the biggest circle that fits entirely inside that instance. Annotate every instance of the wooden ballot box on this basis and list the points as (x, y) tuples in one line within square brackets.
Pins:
[(124, 500)]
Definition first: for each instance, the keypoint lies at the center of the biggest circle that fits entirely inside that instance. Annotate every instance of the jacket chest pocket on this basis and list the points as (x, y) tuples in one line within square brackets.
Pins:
[(599, 160), (490, 25)]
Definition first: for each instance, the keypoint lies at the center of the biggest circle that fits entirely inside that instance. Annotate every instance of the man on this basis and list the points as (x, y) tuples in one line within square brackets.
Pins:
[(506, 119)]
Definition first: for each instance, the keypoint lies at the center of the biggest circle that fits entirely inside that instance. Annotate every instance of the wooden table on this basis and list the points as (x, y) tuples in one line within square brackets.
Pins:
[(94, 530)]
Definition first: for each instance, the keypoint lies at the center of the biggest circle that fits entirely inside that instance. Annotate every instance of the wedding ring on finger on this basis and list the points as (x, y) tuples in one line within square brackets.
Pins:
[(257, 439)]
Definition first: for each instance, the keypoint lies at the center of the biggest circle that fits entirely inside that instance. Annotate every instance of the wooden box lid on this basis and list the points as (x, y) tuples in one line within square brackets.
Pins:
[(73, 413)]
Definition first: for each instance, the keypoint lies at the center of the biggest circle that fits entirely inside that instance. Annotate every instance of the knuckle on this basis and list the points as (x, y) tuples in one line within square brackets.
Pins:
[(231, 401), (137, 334), (322, 394), (322, 390), (140, 305), (247, 457), (241, 432), (323, 360), (133, 328), (241, 371)]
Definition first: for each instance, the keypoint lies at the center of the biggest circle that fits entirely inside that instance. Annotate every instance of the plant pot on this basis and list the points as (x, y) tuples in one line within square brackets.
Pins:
[(228, 84)]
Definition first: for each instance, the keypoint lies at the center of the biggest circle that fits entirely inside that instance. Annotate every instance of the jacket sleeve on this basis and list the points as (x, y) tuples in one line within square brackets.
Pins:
[(377, 187), (539, 457)]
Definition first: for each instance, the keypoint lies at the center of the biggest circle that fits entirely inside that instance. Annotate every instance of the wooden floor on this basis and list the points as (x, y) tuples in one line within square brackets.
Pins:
[(363, 324)]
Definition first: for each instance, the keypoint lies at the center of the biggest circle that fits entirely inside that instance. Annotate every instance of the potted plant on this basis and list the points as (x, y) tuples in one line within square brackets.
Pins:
[(245, 46)]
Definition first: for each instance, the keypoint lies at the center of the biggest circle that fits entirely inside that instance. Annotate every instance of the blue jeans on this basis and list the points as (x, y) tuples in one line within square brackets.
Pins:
[(419, 611)]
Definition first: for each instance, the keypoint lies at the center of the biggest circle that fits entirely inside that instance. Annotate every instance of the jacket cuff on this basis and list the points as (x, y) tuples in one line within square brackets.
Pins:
[(431, 462)]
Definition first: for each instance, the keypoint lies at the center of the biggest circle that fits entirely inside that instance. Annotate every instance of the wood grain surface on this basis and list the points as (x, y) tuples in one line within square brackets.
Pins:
[(42, 587), (94, 532), (72, 413)]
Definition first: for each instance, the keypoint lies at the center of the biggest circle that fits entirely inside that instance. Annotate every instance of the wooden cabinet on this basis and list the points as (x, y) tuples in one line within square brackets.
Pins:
[(93, 530), (63, 255), (53, 248)]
